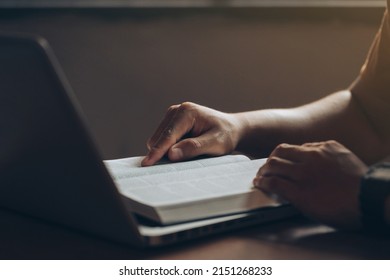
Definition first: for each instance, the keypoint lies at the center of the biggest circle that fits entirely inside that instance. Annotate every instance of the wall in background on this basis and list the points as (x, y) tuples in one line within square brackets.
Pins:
[(192, 3), (127, 66)]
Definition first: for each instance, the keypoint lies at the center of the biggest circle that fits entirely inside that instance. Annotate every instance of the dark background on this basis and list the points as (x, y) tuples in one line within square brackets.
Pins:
[(127, 66)]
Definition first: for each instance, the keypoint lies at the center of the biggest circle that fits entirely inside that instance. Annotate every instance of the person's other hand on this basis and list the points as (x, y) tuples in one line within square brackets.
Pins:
[(189, 130), (320, 179)]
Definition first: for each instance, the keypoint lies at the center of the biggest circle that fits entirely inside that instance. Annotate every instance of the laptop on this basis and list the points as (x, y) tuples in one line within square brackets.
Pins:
[(50, 167)]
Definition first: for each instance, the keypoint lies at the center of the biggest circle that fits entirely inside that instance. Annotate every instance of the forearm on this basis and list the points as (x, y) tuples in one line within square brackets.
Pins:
[(337, 117)]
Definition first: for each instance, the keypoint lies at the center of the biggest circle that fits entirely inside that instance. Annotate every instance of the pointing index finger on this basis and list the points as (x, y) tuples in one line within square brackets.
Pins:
[(175, 125)]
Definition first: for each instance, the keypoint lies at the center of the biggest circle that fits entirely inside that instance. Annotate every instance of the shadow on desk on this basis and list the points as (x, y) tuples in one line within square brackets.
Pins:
[(28, 238)]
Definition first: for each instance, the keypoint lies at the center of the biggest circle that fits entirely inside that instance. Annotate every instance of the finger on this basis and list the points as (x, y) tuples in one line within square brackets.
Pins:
[(154, 154), (282, 187), (164, 123), (193, 147), (179, 125), (313, 144), (276, 166), (289, 152)]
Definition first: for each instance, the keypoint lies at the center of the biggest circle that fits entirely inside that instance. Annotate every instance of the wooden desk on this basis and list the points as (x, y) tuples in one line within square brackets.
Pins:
[(27, 238)]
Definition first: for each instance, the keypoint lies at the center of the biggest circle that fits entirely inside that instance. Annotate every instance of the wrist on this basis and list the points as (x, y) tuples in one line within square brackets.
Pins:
[(252, 136), (242, 127)]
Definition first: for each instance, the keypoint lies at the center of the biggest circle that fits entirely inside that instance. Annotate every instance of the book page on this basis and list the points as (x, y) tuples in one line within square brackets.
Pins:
[(131, 167), (191, 185)]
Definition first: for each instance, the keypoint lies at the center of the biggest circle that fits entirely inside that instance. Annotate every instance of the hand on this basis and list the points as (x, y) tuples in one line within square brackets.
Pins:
[(320, 179), (189, 130)]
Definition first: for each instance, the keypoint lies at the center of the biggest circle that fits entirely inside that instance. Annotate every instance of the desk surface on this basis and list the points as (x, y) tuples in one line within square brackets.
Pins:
[(27, 238)]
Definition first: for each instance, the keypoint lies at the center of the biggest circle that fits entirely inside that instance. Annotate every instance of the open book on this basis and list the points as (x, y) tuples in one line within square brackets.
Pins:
[(177, 192)]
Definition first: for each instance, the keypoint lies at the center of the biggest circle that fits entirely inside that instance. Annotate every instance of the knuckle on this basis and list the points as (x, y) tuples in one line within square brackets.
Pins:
[(172, 108), (272, 161), (168, 132), (187, 108), (281, 147), (280, 150), (194, 144), (166, 138), (331, 143), (186, 105), (185, 111)]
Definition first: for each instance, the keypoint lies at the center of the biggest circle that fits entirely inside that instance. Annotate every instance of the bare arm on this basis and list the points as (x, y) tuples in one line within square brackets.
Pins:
[(322, 179), (198, 130), (338, 117)]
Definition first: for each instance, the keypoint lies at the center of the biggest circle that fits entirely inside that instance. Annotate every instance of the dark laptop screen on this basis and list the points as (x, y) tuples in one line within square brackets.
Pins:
[(48, 164)]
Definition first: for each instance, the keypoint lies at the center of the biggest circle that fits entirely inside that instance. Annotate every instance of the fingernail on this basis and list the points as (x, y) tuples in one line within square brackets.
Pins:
[(176, 154), (145, 161)]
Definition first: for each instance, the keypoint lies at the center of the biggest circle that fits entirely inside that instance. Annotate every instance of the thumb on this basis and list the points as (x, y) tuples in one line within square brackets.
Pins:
[(191, 147)]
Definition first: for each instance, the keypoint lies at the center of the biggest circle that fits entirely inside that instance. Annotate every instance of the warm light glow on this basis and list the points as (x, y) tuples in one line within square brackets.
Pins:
[(192, 3)]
